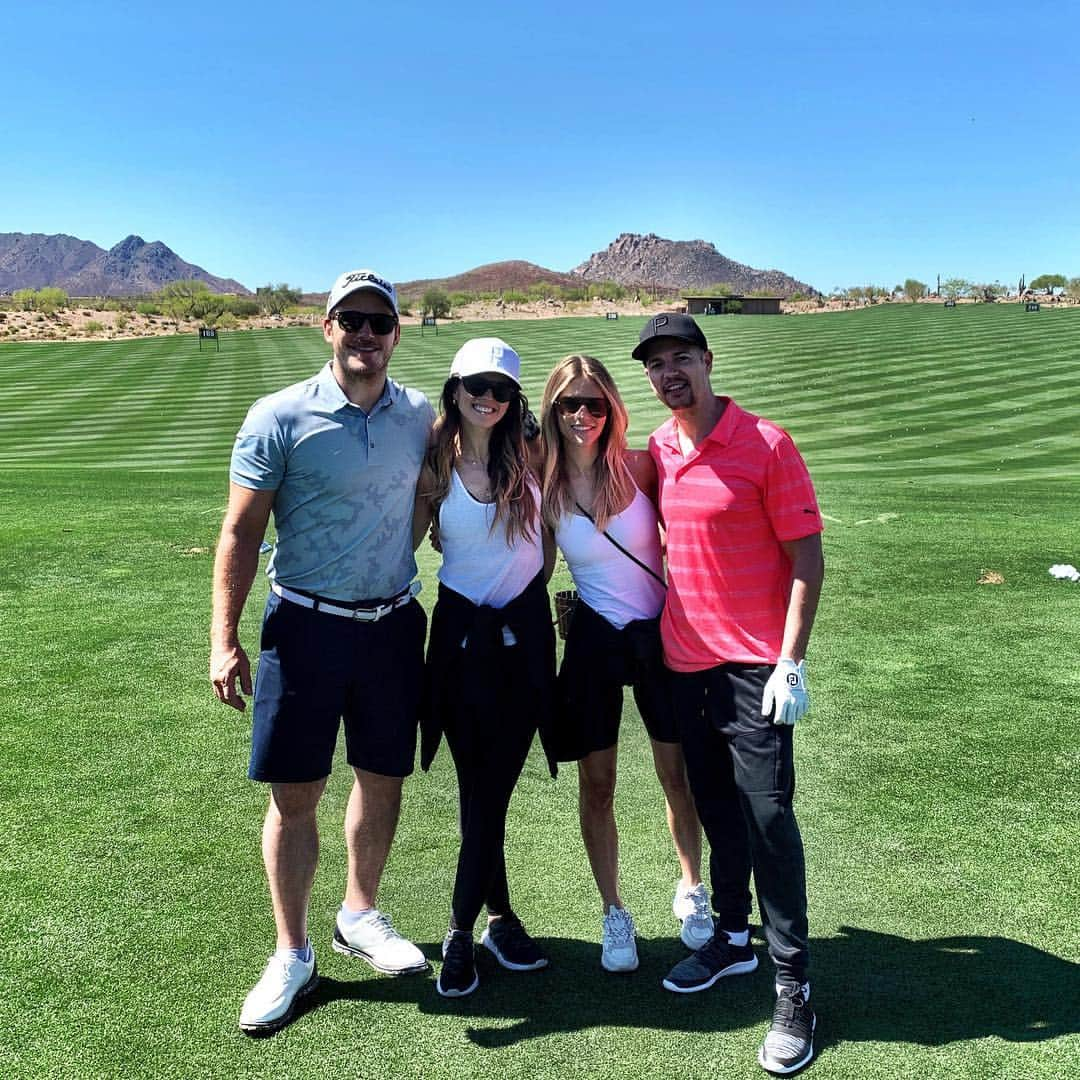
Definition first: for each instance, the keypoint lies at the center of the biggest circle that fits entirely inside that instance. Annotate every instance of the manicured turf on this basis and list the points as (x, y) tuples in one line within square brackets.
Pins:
[(937, 769)]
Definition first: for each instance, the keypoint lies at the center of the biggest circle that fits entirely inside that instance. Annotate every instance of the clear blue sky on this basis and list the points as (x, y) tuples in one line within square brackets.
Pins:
[(843, 143)]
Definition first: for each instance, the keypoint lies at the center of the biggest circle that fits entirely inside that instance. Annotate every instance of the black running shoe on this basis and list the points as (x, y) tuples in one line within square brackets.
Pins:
[(711, 962), (789, 1045), (458, 976), (511, 944)]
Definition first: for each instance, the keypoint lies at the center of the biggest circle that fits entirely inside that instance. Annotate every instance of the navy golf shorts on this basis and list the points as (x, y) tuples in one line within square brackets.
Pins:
[(317, 670)]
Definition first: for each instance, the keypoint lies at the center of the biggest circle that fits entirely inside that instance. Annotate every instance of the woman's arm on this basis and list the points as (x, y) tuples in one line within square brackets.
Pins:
[(422, 508)]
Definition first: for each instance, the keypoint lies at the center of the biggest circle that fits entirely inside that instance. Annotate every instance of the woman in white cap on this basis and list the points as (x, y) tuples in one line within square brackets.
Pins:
[(491, 654), (598, 500)]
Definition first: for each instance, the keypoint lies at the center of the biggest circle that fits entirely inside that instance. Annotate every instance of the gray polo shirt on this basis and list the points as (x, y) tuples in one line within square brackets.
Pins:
[(345, 481)]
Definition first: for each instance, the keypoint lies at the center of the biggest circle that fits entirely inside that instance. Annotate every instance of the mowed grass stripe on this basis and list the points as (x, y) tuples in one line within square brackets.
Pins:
[(940, 393)]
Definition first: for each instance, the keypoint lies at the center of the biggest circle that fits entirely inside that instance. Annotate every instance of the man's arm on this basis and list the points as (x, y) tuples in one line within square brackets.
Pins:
[(808, 572), (785, 698), (235, 564)]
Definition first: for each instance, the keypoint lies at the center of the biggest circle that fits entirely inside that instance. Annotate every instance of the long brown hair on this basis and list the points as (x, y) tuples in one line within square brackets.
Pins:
[(614, 484), (508, 462)]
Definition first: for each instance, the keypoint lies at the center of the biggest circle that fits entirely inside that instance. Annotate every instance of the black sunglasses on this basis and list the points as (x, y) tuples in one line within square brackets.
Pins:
[(352, 321), (502, 390), (596, 406)]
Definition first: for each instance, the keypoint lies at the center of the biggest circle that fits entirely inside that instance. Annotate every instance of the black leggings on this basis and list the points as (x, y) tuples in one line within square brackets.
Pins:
[(489, 732)]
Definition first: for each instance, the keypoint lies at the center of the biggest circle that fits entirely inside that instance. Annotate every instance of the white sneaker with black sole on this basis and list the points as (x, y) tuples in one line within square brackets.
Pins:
[(374, 939), (272, 1001)]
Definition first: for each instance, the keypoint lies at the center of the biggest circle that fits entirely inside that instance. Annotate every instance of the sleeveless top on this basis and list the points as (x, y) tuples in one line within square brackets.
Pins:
[(610, 583), (479, 563)]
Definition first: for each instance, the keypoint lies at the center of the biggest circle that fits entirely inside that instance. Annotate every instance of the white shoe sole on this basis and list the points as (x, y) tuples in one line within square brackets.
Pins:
[(489, 944), (784, 1070), (743, 967), (458, 993), (618, 968), (270, 1026), (340, 945)]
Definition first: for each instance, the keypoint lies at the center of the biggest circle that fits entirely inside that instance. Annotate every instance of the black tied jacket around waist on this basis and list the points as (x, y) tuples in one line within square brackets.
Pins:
[(456, 619)]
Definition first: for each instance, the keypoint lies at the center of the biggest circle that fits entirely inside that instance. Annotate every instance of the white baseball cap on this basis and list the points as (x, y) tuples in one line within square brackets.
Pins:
[(486, 356), (355, 280)]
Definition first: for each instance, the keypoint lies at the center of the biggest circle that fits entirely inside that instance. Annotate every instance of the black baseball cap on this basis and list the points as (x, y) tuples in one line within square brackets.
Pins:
[(669, 324)]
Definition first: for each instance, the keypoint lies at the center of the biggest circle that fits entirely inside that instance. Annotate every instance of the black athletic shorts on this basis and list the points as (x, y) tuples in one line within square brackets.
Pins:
[(598, 662), (317, 669)]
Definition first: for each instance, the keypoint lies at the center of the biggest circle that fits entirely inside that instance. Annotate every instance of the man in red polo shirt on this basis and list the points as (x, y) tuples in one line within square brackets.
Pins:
[(744, 574)]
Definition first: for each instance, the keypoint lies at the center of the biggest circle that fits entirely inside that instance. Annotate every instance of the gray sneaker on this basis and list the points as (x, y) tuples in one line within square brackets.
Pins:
[(691, 908), (789, 1045), (619, 949)]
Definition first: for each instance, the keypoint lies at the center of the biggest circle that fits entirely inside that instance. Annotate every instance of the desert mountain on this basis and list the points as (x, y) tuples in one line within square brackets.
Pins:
[(633, 259), (80, 268), (493, 277)]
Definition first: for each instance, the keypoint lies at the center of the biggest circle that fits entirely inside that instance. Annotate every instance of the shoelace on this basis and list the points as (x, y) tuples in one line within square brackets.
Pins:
[(512, 932), (789, 1012), (382, 925), (701, 903), (619, 927)]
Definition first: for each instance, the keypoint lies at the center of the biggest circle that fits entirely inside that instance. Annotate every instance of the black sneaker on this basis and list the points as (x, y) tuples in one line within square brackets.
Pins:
[(511, 944), (711, 962), (789, 1045), (458, 976)]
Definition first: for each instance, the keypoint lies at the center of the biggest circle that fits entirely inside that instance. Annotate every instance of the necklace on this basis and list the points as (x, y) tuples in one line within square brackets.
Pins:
[(474, 461)]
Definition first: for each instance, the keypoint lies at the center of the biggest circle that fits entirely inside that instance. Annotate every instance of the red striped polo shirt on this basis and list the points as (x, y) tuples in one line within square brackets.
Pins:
[(726, 507)]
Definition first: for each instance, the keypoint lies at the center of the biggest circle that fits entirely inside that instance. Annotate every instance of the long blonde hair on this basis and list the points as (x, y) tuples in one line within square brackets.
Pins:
[(614, 484), (508, 462)]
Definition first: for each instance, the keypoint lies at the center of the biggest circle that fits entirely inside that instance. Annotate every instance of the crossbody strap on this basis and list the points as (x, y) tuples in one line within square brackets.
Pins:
[(630, 555)]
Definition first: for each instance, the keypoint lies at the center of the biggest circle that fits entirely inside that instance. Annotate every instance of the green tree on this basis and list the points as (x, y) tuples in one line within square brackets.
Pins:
[(180, 299), (277, 299), (435, 303), (955, 287), (719, 288), (50, 299), (1073, 288), (24, 299), (914, 289), (1049, 282)]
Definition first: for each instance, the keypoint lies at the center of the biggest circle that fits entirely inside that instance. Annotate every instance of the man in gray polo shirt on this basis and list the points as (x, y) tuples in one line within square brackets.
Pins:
[(335, 459)]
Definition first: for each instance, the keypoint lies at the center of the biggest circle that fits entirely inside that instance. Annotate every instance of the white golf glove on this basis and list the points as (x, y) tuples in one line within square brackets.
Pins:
[(786, 691)]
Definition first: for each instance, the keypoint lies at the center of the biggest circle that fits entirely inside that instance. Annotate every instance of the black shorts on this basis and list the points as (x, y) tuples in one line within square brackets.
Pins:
[(598, 662), (317, 669)]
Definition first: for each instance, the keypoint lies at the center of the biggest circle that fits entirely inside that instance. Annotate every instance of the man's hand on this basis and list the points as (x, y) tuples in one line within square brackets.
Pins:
[(228, 663), (786, 691)]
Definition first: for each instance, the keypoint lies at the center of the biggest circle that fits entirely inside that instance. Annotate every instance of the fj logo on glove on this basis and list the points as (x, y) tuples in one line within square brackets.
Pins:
[(792, 678)]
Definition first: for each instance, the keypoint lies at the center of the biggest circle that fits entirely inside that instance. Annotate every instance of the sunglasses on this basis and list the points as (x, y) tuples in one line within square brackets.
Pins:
[(596, 406), (502, 390), (352, 321)]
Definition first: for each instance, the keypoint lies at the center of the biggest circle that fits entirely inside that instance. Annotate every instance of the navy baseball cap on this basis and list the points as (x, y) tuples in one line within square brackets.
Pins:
[(669, 324)]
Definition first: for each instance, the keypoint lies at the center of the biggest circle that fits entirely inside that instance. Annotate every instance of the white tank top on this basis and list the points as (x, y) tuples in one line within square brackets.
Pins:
[(609, 582), (477, 562)]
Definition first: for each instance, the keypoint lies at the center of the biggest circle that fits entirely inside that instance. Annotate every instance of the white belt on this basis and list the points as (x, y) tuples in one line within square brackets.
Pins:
[(359, 614)]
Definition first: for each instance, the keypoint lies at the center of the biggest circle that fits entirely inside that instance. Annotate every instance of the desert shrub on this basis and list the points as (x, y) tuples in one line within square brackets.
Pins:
[(148, 308), (461, 298), (514, 296), (94, 327), (121, 322), (228, 321), (241, 307)]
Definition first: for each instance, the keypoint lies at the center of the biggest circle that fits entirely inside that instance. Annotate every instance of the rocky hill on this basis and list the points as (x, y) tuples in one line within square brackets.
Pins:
[(492, 277), (131, 268), (633, 259)]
